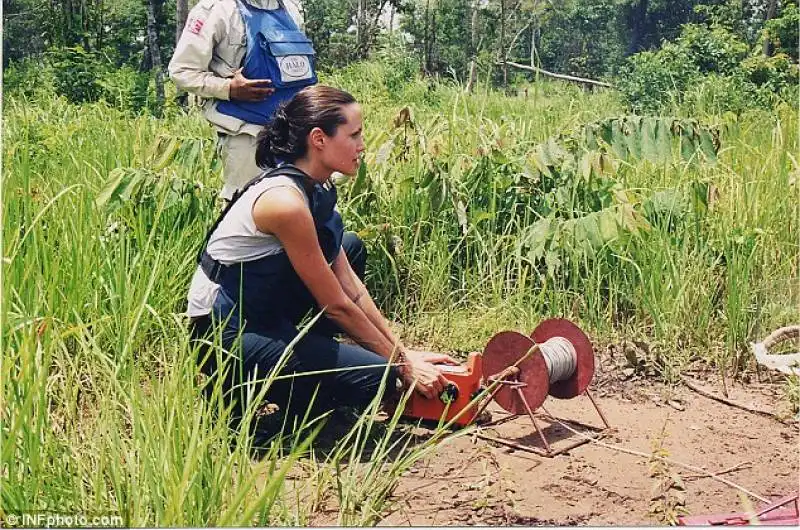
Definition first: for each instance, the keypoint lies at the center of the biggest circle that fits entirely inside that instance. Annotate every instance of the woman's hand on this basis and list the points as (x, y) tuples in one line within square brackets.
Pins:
[(420, 371), (432, 357)]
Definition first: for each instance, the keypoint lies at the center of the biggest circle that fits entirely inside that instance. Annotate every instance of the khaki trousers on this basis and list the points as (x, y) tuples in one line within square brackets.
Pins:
[(238, 154)]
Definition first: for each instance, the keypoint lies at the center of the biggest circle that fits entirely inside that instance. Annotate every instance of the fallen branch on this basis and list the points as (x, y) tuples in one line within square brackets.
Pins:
[(741, 465), (730, 402), (563, 77)]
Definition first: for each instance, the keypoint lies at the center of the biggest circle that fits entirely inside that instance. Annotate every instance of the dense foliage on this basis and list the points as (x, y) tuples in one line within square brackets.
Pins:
[(712, 64), (674, 226)]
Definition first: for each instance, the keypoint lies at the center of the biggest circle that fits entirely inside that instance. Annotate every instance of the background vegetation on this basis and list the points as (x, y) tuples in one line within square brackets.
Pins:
[(663, 212)]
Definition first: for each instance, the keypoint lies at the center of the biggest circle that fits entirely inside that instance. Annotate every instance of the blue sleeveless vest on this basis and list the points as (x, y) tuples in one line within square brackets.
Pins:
[(276, 50), (251, 293)]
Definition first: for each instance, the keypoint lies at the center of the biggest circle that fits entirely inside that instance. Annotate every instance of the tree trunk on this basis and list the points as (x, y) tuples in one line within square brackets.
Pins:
[(155, 54), (503, 41), (772, 7), (100, 24), (372, 28), (637, 18), (360, 27), (473, 47), (426, 45), (181, 14)]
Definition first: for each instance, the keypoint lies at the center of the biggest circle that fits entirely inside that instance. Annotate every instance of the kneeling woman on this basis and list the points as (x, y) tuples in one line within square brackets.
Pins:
[(279, 252)]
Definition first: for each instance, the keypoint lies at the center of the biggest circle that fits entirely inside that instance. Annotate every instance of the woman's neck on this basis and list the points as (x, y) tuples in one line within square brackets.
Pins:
[(313, 169)]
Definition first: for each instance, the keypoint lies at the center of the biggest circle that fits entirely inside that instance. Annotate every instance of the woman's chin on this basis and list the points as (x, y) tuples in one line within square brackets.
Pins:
[(340, 178)]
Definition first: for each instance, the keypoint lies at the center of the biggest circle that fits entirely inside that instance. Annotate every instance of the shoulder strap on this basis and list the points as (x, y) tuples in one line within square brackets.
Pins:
[(286, 170)]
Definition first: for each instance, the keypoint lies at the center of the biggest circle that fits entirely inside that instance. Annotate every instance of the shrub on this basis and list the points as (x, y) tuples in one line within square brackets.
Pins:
[(783, 33), (708, 68), (127, 89), (773, 73), (712, 49), (400, 69), (28, 77), (716, 94), (649, 80), (76, 73)]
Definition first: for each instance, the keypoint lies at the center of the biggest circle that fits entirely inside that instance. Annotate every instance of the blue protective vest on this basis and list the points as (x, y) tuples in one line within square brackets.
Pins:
[(276, 50), (252, 292)]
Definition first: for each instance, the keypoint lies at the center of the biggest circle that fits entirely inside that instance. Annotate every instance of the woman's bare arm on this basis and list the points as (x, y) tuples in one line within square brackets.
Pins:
[(357, 291), (283, 213)]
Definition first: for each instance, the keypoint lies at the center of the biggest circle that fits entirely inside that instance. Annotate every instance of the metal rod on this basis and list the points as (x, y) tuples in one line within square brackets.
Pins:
[(533, 419), (569, 447), (485, 403), (500, 421), (509, 443), (599, 412), (556, 419)]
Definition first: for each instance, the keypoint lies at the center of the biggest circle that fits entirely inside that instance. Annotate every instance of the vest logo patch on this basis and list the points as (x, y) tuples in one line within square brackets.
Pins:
[(294, 67)]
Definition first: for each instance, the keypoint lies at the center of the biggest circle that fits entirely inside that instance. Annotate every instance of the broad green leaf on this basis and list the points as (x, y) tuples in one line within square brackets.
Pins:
[(606, 164), (428, 178), (553, 262), (618, 141), (700, 193), (540, 164), (167, 153), (543, 152), (707, 146), (688, 144), (592, 229), (586, 165), (665, 204), (606, 132), (648, 137), (117, 180), (664, 140), (589, 137), (607, 225), (384, 151), (437, 192), (632, 127), (537, 237)]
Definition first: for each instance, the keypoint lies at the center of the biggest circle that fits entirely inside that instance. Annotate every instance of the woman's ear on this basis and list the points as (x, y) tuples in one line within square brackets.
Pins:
[(316, 138)]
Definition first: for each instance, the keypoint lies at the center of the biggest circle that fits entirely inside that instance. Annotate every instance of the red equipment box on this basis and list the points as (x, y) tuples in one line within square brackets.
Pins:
[(465, 384)]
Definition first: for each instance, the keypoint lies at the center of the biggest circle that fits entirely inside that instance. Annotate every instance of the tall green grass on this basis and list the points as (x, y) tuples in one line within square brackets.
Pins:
[(102, 407)]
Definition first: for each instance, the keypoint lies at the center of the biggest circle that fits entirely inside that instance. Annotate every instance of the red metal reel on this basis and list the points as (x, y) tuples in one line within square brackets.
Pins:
[(584, 370), (503, 351)]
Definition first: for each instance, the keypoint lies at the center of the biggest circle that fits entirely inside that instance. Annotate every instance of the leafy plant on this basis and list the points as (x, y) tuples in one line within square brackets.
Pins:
[(668, 496), (77, 73)]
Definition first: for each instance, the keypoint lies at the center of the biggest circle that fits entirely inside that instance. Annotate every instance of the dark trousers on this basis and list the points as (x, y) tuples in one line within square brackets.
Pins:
[(255, 354)]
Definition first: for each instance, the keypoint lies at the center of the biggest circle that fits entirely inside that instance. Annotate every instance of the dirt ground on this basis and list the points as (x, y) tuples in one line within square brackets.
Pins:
[(470, 481)]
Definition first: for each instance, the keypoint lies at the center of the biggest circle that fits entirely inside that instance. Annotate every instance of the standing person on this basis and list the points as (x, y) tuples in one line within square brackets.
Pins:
[(279, 252), (246, 57)]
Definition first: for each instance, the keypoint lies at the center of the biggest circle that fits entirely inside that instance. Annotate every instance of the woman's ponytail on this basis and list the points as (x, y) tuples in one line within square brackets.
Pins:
[(272, 139)]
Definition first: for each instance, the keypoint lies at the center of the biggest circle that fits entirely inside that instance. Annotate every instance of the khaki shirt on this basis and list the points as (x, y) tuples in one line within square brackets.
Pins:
[(211, 48)]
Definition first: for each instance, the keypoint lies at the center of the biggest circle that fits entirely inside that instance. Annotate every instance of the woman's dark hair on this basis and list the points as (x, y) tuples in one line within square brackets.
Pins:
[(284, 137)]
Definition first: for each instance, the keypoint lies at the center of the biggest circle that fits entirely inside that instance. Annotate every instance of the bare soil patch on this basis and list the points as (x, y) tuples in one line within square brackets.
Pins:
[(469, 481)]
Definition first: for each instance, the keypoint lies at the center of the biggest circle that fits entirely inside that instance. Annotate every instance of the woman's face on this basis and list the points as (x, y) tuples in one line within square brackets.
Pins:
[(342, 151)]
